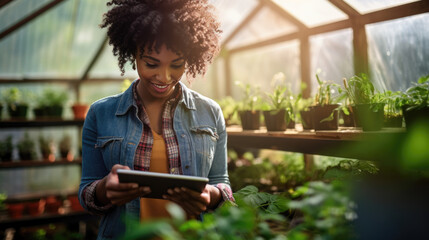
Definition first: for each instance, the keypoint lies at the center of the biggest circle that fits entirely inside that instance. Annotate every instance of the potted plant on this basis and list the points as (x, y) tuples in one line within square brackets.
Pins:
[(1, 109), (36, 207), (47, 148), (415, 102), (16, 105), (6, 148), (278, 110), (80, 110), (52, 204), (346, 113), (249, 108), (229, 109), (392, 110), (15, 210), (305, 116), (65, 148), (367, 102), (53, 102), (26, 148), (74, 203), (325, 110)]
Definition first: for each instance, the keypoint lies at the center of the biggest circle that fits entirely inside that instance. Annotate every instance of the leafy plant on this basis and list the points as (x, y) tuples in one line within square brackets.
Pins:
[(417, 96), (65, 143), (392, 101), (26, 148), (13, 97), (46, 147), (3, 197), (271, 171), (229, 109), (251, 218), (6, 148), (360, 89), (251, 97), (328, 212), (325, 91), (281, 97), (51, 97)]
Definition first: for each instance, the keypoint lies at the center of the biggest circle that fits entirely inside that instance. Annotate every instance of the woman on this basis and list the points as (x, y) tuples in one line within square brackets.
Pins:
[(157, 124)]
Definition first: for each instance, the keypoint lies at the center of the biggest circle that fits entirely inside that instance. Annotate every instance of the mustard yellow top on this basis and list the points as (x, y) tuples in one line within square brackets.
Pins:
[(151, 208)]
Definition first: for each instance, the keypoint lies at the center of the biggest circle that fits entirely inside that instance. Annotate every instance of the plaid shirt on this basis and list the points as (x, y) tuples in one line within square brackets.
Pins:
[(144, 150)]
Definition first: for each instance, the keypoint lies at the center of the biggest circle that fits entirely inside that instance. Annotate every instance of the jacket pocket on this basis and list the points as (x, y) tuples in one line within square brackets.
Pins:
[(110, 148), (205, 140)]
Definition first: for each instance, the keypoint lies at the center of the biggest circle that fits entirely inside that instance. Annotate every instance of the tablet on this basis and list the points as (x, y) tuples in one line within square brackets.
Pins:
[(159, 183)]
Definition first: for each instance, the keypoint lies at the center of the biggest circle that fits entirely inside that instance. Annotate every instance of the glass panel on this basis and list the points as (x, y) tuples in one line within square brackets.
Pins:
[(398, 51), (107, 66), (321, 11), (92, 91), (16, 10), (365, 6), (60, 43), (266, 24), (331, 57), (231, 13), (258, 66)]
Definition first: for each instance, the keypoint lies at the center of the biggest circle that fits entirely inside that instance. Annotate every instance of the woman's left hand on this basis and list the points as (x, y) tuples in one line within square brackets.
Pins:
[(194, 203)]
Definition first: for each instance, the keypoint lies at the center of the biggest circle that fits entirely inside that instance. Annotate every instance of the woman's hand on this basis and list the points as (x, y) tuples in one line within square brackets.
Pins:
[(194, 203), (109, 190)]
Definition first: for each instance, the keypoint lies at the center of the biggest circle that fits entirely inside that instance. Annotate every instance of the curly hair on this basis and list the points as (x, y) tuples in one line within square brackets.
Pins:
[(187, 27)]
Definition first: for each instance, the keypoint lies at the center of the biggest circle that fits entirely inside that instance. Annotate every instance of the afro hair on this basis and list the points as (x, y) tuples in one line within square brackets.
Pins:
[(186, 27)]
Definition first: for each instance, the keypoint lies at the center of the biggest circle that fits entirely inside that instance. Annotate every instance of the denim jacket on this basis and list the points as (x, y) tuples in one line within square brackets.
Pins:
[(112, 131)]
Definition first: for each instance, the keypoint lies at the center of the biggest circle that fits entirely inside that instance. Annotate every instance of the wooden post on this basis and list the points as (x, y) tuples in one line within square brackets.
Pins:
[(305, 65), (360, 47), (228, 82)]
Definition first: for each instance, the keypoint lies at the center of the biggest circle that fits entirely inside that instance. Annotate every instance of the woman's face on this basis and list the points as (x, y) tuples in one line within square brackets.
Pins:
[(159, 73)]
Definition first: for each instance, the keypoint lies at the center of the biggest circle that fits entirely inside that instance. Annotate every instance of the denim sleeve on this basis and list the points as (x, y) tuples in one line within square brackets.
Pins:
[(93, 167), (219, 171)]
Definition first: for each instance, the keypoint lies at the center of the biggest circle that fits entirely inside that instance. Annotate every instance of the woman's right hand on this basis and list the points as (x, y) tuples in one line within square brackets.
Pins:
[(109, 190)]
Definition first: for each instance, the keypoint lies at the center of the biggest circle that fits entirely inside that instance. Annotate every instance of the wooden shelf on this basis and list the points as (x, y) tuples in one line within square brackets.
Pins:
[(345, 142), (18, 123), (34, 163)]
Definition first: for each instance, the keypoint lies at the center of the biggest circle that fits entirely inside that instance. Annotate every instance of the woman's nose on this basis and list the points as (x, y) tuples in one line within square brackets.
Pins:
[(164, 76)]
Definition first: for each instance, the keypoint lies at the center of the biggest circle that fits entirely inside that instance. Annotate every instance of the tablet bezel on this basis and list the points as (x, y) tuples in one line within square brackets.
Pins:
[(161, 182)]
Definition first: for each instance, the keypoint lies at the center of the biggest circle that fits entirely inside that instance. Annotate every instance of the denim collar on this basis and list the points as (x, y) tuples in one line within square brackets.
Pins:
[(127, 100)]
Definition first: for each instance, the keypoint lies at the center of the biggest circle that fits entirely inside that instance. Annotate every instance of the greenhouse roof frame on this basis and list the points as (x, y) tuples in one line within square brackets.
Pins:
[(356, 21)]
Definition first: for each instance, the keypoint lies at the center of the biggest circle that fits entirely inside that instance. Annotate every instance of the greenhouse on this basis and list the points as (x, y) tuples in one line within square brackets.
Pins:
[(298, 119)]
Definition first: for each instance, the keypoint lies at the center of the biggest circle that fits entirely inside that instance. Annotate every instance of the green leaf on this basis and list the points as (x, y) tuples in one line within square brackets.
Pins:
[(176, 212)]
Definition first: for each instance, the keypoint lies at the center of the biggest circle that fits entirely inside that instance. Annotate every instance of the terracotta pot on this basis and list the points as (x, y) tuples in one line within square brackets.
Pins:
[(36, 208), (275, 120), (321, 113), (250, 120), (74, 203), (52, 204), (15, 210), (80, 110)]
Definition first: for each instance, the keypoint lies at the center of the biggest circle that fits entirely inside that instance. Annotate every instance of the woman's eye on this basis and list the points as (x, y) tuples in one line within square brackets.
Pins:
[(149, 65), (177, 66)]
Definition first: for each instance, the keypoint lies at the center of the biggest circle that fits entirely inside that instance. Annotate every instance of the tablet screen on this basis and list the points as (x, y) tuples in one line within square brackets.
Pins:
[(159, 183)]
